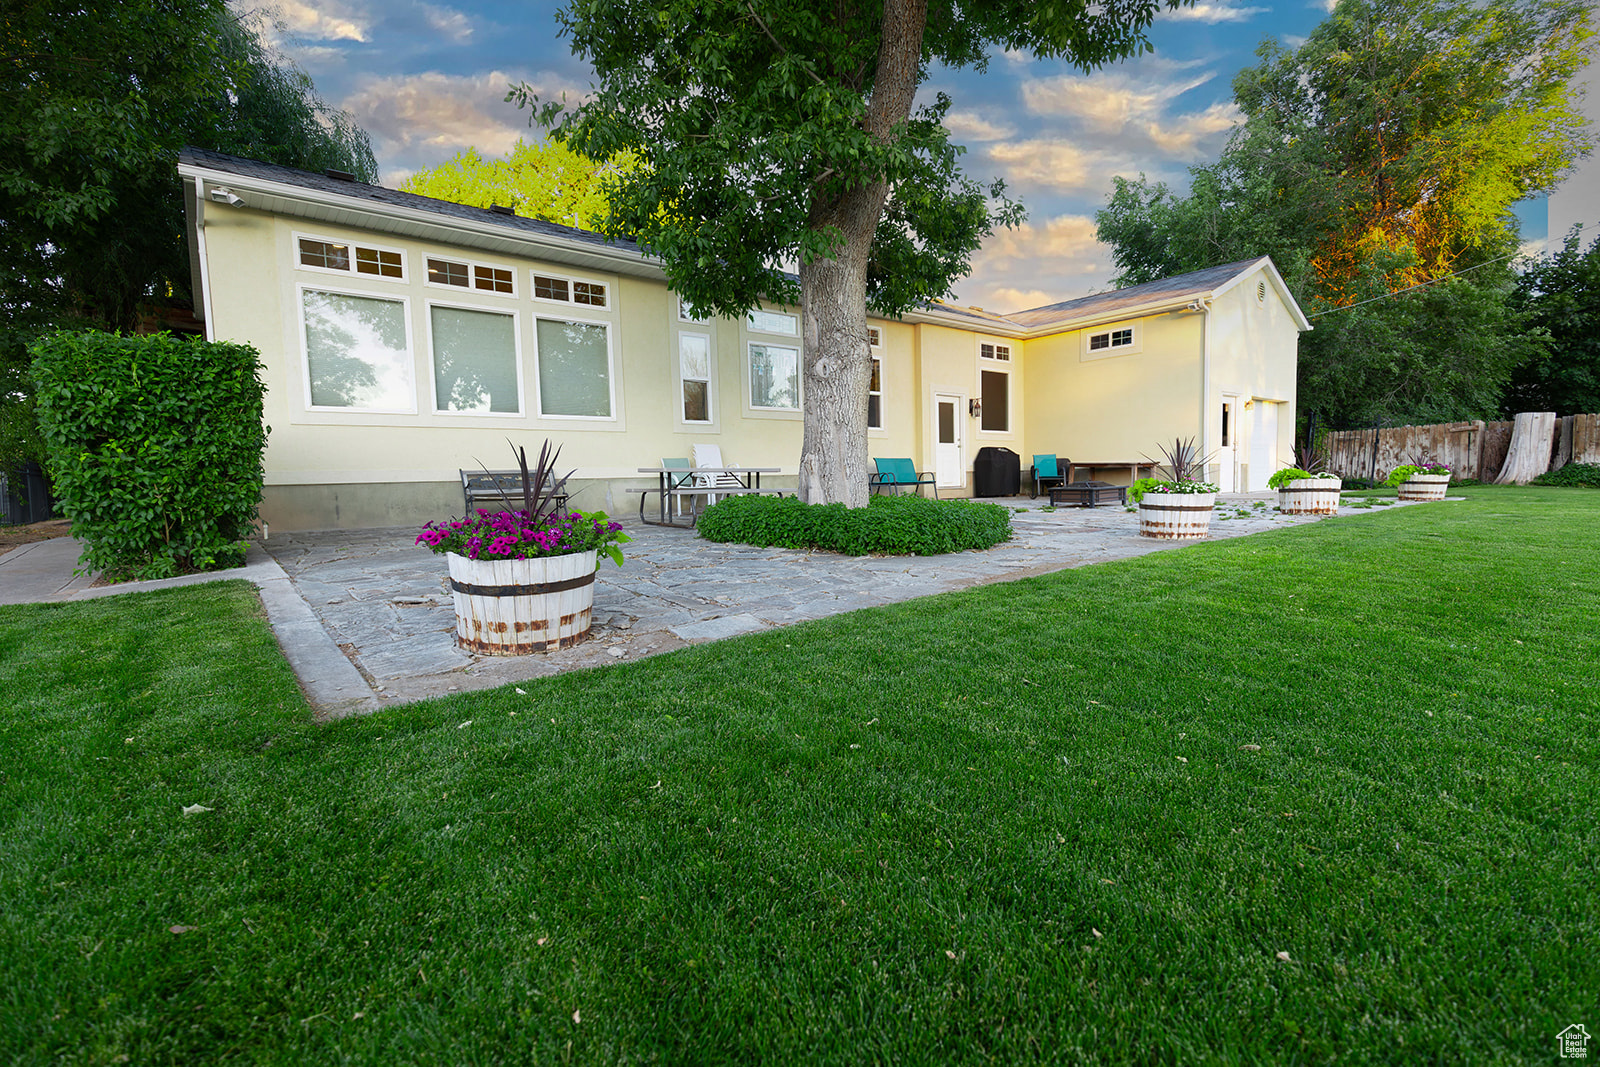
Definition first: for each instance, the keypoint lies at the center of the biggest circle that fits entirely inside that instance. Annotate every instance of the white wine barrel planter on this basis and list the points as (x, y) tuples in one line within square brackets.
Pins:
[(1310, 496), (1176, 516), (1424, 487), (508, 607)]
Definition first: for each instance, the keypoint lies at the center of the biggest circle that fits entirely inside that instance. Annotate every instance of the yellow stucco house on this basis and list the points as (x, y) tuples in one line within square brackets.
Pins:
[(406, 338)]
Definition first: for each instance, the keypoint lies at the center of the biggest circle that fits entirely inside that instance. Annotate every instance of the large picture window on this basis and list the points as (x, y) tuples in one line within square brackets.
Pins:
[(694, 368), (358, 354), (995, 388), (775, 377), (574, 369), (474, 361)]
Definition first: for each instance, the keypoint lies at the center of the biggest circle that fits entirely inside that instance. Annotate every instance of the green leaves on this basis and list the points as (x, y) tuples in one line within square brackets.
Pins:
[(155, 448)]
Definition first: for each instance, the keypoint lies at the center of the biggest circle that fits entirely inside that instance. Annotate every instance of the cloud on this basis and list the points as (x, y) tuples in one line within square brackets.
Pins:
[(1105, 103), (420, 120), (1214, 13), (1182, 139), (1031, 265), (968, 126), (324, 20), (451, 24)]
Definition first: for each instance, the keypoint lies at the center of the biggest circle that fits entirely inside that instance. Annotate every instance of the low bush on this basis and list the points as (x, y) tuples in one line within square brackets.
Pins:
[(155, 448), (1580, 475), (889, 525)]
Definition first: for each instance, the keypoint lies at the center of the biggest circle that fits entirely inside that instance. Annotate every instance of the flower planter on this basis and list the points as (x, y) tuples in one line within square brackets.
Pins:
[(1310, 496), (509, 607), (1424, 487), (1176, 516)]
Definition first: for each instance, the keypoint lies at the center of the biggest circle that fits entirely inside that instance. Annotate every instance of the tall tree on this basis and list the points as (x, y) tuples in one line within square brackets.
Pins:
[(544, 180), (784, 132), (1382, 154), (1559, 296)]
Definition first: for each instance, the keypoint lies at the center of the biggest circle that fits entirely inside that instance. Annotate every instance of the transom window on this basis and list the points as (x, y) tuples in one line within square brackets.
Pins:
[(336, 255), (447, 272), (493, 279), (1111, 339), (993, 351), (774, 322), (569, 291), (687, 313)]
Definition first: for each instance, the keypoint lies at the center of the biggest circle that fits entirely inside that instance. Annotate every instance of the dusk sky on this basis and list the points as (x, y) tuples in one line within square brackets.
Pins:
[(427, 80)]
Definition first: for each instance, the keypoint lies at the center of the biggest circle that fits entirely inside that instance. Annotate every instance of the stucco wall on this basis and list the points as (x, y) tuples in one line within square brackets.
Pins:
[(1253, 345), (1120, 407)]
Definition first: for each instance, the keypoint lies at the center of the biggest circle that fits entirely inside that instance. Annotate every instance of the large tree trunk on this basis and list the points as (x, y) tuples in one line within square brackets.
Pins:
[(836, 362), (1532, 436)]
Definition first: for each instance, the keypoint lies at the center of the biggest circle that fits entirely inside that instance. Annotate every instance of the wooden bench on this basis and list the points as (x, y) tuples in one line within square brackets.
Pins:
[(480, 488)]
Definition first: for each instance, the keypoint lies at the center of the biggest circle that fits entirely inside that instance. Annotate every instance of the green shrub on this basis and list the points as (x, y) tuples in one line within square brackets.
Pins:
[(1580, 475), (1140, 487), (889, 525), (155, 448)]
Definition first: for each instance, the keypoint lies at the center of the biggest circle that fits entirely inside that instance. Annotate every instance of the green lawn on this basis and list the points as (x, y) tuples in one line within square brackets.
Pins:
[(1017, 823)]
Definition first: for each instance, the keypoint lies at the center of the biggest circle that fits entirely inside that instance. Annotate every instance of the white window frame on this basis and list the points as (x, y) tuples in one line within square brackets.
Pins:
[(296, 236), (683, 313), (794, 322), (710, 380), (996, 347), (305, 352), (471, 287), (516, 342), (1002, 368), (611, 365), (749, 379), (1109, 331), (879, 394), (570, 302), (871, 331)]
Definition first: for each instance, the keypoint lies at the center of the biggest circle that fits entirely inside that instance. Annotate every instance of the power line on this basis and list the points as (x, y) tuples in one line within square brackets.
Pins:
[(1419, 285)]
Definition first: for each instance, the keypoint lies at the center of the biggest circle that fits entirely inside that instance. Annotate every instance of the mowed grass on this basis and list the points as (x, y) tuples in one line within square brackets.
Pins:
[(1013, 824)]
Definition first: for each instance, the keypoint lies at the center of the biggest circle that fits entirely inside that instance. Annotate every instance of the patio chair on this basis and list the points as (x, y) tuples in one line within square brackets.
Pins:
[(898, 473), (710, 456), (1046, 473), (678, 481)]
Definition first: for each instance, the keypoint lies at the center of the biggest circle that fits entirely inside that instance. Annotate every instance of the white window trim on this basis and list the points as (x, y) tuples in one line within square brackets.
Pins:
[(470, 288), (997, 367), (1011, 351), (711, 377), (749, 378), (683, 315), (611, 364), (883, 368), (753, 328), (305, 352), (569, 302), (296, 236), (516, 342), (879, 331), (1110, 351)]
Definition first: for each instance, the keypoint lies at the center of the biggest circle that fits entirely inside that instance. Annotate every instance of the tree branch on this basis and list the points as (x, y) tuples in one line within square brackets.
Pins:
[(762, 23)]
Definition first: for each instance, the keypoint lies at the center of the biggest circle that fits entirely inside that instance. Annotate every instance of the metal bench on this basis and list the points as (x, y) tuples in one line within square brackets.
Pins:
[(481, 488)]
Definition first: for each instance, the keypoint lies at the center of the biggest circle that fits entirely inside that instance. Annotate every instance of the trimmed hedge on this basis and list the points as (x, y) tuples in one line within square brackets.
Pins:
[(889, 525), (1580, 475), (155, 448)]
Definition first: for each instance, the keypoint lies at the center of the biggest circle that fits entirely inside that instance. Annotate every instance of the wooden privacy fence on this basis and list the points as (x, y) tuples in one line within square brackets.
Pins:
[(1472, 449)]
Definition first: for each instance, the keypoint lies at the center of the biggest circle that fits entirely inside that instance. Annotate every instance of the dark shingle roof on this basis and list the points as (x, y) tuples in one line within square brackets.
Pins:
[(1195, 283)]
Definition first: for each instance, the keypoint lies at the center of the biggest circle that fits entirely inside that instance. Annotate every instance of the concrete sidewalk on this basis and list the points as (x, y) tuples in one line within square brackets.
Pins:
[(365, 617)]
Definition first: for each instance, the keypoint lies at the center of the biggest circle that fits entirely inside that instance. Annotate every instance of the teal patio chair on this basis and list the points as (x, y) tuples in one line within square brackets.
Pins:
[(1046, 472), (895, 474), (678, 481)]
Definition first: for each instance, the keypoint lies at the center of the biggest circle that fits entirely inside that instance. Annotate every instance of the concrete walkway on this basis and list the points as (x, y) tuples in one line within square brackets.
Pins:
[(365, 617)]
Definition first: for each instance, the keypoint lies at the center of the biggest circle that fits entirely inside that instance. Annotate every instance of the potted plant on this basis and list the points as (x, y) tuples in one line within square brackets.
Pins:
[(1180, 506), (1424, 481), (1303, 492), (523, 581)]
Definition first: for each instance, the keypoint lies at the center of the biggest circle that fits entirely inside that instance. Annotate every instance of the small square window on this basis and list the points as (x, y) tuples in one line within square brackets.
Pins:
[(379, 262), (551, 288), (874, 338), (1121, 338), (492, 279), (324, 254), (590, 293), (446, 272)]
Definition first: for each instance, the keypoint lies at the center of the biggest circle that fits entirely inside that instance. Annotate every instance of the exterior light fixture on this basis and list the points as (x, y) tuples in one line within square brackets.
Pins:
[(974, 407), (227, 196)]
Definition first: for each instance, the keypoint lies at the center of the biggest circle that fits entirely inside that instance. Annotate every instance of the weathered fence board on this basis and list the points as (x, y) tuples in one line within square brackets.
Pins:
[(1471, 449)]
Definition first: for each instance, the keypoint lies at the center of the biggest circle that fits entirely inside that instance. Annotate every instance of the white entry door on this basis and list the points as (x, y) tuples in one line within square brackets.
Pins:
[(949, 468), (1263, 445), (1227, 454)]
